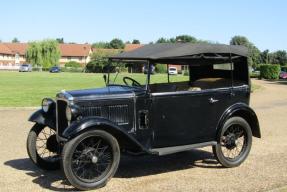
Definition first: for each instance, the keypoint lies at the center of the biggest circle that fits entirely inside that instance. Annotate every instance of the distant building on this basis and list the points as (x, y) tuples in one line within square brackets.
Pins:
[(75, 52), (12, 55)]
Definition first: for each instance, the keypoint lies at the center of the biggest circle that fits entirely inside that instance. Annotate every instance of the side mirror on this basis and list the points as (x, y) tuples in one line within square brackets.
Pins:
[(105, 78)]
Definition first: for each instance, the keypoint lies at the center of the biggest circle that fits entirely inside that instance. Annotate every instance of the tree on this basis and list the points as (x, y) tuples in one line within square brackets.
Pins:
[(254, 52), (117, 44), (179, 38), (265, 57), (239, 40), (135, 41), (44, 53), (99, 59), (15, 40), (185, 39), (60, 40), (163, 40), (279, 57), (101, 45)]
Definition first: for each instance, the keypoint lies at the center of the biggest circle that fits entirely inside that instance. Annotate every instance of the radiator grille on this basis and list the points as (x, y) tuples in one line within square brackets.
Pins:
[(62, 122)]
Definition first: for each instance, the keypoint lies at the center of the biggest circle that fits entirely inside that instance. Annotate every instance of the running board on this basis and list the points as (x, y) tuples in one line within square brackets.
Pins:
[(176, 149)]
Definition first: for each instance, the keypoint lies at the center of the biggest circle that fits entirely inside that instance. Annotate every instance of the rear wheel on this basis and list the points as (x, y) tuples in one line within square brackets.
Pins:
[(234, 142), (91, 159), (42, 147)]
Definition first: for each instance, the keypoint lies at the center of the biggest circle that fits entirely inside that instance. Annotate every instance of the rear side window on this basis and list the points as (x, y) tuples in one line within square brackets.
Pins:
[(223, 66)]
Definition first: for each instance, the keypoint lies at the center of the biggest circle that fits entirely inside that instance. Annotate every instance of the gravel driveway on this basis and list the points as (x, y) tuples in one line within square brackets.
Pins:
[(196, 170)]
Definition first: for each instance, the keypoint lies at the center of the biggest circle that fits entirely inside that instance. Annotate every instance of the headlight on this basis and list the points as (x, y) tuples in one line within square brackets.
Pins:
[(46, 104), (68, 113)]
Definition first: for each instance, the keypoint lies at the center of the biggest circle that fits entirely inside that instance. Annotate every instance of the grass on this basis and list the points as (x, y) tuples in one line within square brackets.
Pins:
[(28, 89), (255, 87)]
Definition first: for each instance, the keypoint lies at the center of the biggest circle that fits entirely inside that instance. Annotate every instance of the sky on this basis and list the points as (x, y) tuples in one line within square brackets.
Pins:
[(263, 22)]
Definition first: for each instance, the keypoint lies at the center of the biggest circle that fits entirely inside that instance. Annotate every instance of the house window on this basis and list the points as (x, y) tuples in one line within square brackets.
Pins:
[(69, 58)]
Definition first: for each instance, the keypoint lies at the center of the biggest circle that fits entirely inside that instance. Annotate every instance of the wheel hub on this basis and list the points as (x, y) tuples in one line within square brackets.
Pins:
[(94, 159), (230, 141), (52, 144)]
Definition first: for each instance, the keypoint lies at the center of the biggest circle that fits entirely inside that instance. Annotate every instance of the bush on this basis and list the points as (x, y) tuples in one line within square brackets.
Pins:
[(72, 69), (90, 68), (73, 64), (161, 68), (269, 71), (186, 73), (254, 75)]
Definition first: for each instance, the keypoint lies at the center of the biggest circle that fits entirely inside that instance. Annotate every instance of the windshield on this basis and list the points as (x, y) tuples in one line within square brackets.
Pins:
[(172, 69), (128, 74), (24, 65)]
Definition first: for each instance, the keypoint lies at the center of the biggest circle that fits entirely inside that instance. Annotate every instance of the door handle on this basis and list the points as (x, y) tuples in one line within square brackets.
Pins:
[(211, 100)]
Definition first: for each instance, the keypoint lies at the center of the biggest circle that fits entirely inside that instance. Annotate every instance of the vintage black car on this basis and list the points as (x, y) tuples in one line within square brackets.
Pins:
[(86, 131)]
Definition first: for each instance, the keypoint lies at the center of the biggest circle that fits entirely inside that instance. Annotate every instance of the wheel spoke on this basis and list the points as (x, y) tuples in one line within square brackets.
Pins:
[(91, 158), (233, 142)]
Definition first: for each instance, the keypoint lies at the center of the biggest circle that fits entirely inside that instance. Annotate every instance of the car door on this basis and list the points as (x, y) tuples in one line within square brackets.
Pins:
[(181, 118)]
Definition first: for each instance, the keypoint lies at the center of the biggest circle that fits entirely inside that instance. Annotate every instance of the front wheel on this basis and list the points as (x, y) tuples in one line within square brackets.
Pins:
[(234, 142), (42, 147), (91, 159)]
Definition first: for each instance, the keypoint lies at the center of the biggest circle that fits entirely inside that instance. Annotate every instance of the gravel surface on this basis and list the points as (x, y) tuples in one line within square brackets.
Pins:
[(197, 170)]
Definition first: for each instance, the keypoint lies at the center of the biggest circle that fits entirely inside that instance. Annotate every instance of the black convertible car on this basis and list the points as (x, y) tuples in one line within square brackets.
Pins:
[(86, 131)]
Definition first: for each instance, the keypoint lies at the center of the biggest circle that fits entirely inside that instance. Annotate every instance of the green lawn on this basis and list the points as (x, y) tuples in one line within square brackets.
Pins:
[(28, 89)]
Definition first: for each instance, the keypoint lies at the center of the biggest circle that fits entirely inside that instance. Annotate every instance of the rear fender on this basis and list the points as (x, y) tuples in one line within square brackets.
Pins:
[(244, 111), (40, 117), (125, 139)]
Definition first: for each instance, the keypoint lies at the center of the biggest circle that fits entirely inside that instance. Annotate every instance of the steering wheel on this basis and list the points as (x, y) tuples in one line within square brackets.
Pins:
[(134, 82)]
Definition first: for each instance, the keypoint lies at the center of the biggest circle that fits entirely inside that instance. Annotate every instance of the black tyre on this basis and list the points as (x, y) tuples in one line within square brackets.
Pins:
[(42, 147), (91, 159), (234, 142)]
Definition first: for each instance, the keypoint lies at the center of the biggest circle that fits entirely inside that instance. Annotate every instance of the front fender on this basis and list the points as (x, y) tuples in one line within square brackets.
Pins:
[(90, 123), (40, 117), (244, 111)]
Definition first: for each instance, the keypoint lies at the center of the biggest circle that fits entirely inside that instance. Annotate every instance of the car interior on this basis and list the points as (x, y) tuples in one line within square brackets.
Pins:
[(206, 77)]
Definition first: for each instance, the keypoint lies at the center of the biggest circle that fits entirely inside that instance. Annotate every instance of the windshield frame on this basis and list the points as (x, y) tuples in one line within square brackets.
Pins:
[(109, 80)]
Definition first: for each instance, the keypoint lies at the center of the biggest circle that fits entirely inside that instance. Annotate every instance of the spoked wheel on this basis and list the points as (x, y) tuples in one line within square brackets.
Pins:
[(42, 147), (234, 143), (91, 159)]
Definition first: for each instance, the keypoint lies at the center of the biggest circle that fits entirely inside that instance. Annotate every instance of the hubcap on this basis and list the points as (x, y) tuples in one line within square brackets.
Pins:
[(233, 142), (94, 159)]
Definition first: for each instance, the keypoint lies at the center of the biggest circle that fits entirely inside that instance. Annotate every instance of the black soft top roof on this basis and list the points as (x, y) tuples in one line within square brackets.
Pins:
[(165, 51)]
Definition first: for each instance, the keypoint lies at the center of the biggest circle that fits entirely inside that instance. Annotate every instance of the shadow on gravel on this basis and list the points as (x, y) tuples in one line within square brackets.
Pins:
[(151, 165), (130, 166), (45, 179)]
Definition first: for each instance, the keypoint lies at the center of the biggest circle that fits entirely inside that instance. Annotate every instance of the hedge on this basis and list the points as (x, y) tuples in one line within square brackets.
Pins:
[(161, 68), (73, 64), (268, 71)]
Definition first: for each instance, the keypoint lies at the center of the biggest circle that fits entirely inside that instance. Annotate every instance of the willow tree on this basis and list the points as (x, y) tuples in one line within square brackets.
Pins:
[(44, 53)]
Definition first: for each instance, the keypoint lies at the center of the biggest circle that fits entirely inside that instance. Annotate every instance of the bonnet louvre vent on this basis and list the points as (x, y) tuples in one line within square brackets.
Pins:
[(116, 113)]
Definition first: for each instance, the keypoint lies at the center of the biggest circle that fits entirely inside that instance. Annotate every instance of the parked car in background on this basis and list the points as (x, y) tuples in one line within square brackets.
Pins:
[(283, 75), (55, 69), (25, 68), (87, 131), (172, 71)]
